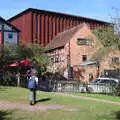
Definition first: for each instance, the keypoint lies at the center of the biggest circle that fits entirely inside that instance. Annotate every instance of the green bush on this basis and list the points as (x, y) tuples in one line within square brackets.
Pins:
[(117, 90), (8, 78)]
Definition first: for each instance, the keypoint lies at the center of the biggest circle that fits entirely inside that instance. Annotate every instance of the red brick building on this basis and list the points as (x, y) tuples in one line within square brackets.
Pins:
[(78, 46), (72, 48), (40, 26)]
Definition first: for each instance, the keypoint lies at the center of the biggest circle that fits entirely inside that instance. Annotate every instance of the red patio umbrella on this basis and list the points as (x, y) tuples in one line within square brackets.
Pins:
[(13, 64), (25, 62)]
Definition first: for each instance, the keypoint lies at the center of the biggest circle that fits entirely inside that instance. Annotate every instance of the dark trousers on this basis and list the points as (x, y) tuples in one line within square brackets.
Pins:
[(32, 96)]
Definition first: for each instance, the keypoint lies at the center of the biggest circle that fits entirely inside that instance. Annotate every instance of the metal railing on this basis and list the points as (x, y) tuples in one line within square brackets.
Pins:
[(73, 86)]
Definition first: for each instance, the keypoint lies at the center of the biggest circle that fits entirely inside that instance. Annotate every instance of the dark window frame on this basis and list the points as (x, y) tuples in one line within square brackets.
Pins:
[(83, 41)]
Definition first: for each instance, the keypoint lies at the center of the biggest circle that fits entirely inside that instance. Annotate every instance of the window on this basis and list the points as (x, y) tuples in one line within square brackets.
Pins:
[(61, 58), (54, 59), (84, 58), (83, 41), (115, 60), (111, 82), (10, 35)]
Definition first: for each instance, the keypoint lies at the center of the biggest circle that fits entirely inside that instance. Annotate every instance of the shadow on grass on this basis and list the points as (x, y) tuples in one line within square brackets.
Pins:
[(117, 115), (43, 100), (4, 115)]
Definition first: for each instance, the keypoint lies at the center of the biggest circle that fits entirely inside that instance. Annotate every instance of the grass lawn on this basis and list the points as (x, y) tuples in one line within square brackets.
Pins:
[(99, 96), (85, 109)]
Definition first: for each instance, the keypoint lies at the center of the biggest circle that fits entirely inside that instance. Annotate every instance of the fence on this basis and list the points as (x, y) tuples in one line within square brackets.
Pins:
[(64, 86), (73, 86)]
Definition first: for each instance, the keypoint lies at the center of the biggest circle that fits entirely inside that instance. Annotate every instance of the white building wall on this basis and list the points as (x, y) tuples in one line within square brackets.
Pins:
[(12, 40), (6, 27), (9, 32)]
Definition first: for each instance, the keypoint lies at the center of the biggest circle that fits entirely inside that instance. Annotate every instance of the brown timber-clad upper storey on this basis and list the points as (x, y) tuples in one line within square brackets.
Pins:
[(41, 26)]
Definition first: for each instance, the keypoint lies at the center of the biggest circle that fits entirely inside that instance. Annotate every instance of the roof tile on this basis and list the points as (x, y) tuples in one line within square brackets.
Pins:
[(62, 38)]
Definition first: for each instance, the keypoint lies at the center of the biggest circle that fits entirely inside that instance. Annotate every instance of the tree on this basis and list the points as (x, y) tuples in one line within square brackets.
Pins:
[(39, 56), (14, 53), (38, 53), (108, 37)]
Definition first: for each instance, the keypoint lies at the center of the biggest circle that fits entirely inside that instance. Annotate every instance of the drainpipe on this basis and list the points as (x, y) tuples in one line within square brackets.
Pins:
[(69, 61), (98, 68)]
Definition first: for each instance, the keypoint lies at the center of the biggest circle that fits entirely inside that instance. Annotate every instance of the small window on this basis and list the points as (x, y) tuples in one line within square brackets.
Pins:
[(10, 35), (52, 59), (83, 41), (115, 60), (84, 58), (56, 59)]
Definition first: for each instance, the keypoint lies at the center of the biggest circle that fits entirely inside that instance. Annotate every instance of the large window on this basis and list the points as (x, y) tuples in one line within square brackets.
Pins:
[(83, 41)]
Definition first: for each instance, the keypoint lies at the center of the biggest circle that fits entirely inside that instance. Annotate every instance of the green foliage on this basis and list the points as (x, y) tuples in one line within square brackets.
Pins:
[(14, 53), (117, 90), (108, 37), (8, 55), (39, 56), (23, 52), (100, 53), (38, 53), (8, 78)]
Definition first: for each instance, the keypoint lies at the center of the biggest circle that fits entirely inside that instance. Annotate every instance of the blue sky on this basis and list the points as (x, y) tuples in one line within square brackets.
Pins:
[(98, 9)]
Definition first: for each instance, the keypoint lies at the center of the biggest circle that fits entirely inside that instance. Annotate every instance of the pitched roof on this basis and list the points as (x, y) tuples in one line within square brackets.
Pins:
[(62, 38), (2, 19), (55, 13)]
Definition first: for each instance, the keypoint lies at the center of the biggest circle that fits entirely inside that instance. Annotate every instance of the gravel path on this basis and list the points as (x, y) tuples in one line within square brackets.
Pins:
[(5, 105)]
